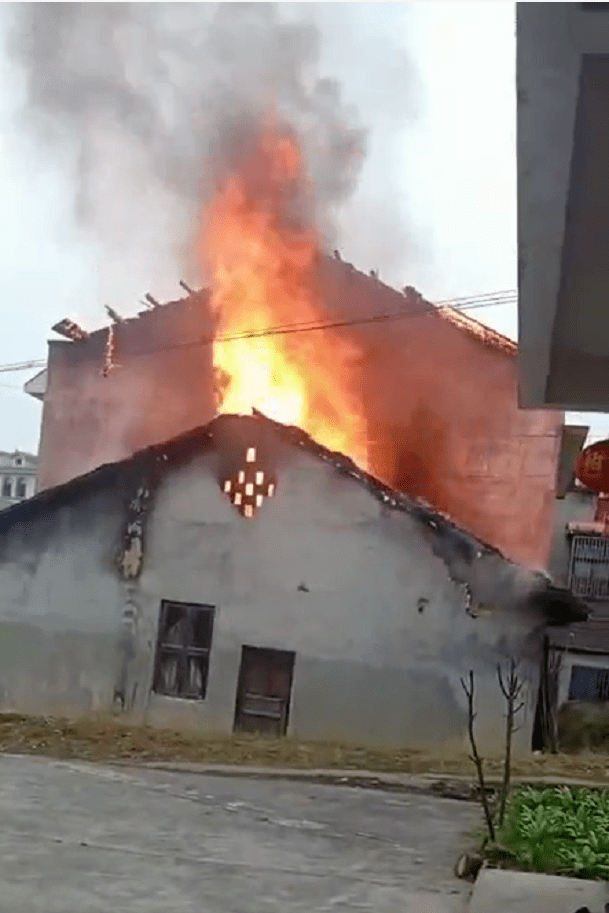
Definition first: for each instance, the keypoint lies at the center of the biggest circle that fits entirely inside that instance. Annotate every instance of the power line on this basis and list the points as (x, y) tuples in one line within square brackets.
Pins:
[(22, 366), (470, 303), (465, 303)]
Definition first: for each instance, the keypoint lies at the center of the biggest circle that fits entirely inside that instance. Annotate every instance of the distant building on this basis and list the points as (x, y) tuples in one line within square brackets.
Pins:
[(17, 477), (579, 654)]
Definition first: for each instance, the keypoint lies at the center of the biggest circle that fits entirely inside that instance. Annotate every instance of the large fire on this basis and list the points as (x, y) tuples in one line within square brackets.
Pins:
[(261, 256)]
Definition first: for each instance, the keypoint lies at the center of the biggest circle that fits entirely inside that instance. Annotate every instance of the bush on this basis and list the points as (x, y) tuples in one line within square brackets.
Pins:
[(583, 727), (558, 830)]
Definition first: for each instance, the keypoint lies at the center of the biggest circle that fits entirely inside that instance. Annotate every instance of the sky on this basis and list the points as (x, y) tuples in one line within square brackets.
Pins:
[(448, 131)]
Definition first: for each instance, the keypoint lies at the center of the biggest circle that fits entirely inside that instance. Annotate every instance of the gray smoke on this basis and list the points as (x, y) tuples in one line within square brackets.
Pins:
[(136, 96)]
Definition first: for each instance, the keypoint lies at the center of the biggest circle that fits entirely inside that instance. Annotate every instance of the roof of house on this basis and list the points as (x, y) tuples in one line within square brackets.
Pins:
[(590, 637), (480, 331), (473, 328), (457, 547)]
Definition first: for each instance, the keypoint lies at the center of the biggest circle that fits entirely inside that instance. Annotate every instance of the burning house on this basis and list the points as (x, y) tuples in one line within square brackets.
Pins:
[(265, 568), (424, 398), (438, 394), (242, 576)]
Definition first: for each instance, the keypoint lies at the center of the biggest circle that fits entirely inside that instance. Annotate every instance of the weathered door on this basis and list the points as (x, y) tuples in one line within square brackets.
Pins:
[(263, 690)]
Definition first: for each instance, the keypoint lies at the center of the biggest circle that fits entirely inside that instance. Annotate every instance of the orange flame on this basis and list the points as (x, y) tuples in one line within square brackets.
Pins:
[(261, 258)]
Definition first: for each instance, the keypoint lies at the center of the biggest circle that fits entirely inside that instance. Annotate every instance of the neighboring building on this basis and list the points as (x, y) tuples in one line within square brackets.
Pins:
[(243, 577), (580, 562), (439, 392), (17, 477), (563, 204)]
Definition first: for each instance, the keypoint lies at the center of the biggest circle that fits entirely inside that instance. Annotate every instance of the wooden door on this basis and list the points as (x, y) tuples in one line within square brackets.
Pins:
[(263, 690)]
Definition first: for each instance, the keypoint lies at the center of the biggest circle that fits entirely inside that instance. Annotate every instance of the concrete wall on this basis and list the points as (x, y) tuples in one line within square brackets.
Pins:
[(370, 667), (61, 606), (441, 406)]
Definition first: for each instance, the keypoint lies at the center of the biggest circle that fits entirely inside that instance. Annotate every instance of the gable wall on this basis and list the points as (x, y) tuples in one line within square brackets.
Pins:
[(370, 667)]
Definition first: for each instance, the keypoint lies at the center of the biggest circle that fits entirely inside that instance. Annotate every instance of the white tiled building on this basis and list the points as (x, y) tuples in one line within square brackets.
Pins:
[(17, 477)]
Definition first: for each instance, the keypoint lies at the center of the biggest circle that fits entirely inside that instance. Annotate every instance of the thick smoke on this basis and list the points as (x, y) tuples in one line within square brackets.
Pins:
[(138, 95)]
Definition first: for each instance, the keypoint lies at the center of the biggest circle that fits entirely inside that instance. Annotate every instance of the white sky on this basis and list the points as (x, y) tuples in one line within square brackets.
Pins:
[(453, 177)]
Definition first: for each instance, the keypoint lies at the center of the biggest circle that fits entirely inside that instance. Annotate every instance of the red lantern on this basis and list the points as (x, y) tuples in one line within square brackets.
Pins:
[(592, 468)]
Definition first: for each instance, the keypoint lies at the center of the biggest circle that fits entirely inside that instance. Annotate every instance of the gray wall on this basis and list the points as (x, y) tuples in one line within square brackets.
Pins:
[(369, 666), (61, 605)]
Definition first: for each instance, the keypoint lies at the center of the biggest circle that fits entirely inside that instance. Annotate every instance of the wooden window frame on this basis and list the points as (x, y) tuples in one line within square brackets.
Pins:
[(183, 652)]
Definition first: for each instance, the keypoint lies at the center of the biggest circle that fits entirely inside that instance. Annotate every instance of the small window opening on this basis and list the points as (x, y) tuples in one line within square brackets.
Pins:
[(21, 488), (259, 500), (227, 486), (259, 478), (250, 456), (271, 490), (7, 488), (241, 477), (249, 489), (248, 511), (238, 498), (18, 461), (183, 647)]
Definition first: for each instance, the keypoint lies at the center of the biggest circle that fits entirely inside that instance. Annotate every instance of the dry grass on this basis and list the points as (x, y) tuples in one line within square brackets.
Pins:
[(112, 739)]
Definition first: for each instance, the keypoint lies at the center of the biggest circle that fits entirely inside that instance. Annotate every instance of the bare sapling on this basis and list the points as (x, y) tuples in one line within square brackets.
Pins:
[(468, 687), (511, 686)]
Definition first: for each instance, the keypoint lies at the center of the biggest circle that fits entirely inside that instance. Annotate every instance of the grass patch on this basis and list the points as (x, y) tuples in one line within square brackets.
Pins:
[(556, 830), (110, 738)]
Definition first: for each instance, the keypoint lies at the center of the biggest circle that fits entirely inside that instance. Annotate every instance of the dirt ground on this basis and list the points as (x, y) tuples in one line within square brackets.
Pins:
[(112, 739)]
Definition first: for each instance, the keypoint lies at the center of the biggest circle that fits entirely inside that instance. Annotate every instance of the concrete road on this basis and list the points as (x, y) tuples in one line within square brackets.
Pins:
[(79, 838)]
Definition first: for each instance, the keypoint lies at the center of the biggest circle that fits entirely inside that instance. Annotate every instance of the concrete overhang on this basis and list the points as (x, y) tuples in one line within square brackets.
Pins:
[(37, 386), (563, 205)]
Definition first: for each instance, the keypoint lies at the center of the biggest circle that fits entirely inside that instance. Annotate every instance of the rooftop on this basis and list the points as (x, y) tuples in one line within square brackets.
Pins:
[(342, 273), (458, 548)]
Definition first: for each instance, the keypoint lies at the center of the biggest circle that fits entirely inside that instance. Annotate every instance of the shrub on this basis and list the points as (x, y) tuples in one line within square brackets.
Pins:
[(558, 830), (583, 726)]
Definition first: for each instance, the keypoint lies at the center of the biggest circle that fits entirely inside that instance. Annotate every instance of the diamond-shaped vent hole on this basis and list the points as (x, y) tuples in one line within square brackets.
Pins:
[(248, 488)]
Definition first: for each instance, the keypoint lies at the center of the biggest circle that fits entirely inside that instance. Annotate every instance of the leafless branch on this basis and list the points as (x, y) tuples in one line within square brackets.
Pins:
[(468, 688), (511, 687)]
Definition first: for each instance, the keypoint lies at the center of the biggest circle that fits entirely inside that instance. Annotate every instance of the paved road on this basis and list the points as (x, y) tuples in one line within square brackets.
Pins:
[(78, 838)]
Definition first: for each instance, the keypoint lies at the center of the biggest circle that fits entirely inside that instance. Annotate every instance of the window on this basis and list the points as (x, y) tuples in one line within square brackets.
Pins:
[(7, 488), (589, 684), (589, 567), (184, 642), (18, 461), (21, 489)]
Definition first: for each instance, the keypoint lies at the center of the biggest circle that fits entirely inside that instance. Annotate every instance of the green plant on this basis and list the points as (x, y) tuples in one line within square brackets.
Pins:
[(558, 830)]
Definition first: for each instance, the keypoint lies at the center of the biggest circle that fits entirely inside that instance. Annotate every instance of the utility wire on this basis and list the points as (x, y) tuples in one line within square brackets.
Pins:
[(465, 303)]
